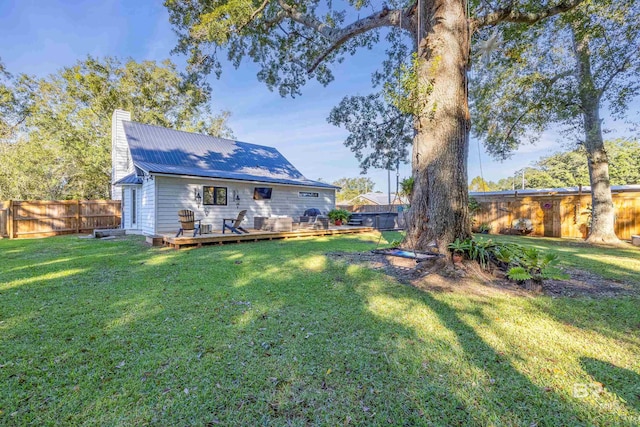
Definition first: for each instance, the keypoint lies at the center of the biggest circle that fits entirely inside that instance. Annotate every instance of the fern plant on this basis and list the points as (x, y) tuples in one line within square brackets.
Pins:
[(480, 250), (460, 246), (531, 264)]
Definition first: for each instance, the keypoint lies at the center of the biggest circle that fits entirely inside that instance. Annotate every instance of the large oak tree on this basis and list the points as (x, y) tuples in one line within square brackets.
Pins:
[(294, 41), (564, 71)]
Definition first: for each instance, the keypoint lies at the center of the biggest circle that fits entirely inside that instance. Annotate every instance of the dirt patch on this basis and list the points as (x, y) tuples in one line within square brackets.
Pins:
[(442, 276), (582, 283)]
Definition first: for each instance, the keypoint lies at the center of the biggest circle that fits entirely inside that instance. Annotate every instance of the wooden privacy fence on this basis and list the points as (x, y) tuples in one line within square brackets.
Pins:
[(556, 215), (53, 217)]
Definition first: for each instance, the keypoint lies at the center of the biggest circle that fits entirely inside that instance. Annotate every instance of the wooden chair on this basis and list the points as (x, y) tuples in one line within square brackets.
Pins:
[(188, 222), (234, 223)]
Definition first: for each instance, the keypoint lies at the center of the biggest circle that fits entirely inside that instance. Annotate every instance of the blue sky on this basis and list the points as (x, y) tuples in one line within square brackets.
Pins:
[(39, 37)]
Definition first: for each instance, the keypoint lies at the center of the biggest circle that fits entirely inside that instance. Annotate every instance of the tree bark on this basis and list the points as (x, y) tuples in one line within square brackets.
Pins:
[(602, 214), (440, 197)]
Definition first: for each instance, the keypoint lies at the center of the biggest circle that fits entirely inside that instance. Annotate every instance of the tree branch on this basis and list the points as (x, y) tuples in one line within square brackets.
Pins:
[(509, 15), (400, 18), (620, 68), (253, 16), (548, 83)]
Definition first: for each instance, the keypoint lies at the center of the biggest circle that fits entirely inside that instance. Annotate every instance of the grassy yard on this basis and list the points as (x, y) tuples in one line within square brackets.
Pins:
[(276, 333)]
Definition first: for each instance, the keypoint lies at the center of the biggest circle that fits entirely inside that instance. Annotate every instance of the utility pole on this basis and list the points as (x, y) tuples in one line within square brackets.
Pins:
[(523, 178), (389, 184)]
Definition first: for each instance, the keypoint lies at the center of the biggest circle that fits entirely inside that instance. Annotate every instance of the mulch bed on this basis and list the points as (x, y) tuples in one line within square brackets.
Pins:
[(442, 276)]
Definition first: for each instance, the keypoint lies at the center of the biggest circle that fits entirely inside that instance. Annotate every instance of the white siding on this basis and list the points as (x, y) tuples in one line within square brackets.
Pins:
[(121, 164), (147, 207), (174, 194)]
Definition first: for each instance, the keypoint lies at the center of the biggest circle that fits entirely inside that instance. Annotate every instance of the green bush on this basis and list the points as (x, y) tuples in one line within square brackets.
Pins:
[(519, 262), (339, 214)]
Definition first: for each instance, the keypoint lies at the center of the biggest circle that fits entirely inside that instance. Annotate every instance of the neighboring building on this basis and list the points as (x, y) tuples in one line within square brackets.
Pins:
[(379, 199), (158, 171)]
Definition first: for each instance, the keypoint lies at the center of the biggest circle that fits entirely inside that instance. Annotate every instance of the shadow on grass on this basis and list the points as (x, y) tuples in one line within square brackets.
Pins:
[(618, 319), (258, 333), (622, 382), (520, 401)]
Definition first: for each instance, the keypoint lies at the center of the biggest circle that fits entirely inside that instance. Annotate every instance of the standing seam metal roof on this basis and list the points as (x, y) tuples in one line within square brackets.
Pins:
[(156, 149)]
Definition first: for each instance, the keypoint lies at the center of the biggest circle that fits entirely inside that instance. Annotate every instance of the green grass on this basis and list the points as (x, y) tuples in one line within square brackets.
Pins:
[(276, 333)]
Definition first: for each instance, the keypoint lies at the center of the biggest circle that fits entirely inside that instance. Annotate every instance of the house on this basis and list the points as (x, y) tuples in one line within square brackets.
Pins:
[(377, 198), (158, 171)]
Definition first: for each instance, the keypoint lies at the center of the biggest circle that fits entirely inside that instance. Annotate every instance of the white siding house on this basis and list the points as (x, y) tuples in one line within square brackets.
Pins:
[(159, 171)]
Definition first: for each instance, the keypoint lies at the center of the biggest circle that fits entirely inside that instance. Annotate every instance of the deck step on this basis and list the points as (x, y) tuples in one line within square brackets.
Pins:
[(100, 233)]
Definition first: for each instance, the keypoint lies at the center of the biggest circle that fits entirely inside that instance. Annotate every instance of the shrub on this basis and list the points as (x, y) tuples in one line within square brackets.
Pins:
[(532, 264), (520, 263), (339, 214), (484, 227)]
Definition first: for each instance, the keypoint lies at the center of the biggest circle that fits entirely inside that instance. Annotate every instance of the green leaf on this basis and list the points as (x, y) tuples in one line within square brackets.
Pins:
[(518, 274)]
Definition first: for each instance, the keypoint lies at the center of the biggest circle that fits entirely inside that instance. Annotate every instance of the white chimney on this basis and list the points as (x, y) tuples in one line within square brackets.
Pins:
[(121, 164)]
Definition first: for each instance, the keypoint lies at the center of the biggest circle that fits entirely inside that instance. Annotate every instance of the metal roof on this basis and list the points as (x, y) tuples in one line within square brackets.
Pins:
[(132, 178), (156, 149), (550, 191)]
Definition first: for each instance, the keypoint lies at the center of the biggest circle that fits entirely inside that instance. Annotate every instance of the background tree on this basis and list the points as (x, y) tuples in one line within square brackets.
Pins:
[(479, 184), (562, 71), (352, 187), (15, 101), (296, 41), (63, 149), (569, 169), (406, 188)]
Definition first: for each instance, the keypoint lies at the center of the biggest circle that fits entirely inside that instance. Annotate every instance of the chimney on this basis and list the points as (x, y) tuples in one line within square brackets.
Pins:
[(121, 164)]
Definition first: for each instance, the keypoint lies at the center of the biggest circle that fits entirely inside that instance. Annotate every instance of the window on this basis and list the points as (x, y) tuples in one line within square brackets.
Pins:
[(214, 196), (261, 193), (134, 207), (307, 194)]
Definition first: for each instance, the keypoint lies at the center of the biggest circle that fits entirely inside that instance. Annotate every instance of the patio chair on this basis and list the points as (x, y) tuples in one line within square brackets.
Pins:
[(234, 223), (188, 222)]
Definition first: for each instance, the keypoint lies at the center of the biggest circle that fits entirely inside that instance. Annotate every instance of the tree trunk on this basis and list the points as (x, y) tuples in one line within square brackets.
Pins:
[(602, 214), (439, 201)]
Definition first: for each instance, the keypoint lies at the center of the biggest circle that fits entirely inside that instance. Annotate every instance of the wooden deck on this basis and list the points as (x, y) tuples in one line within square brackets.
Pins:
[(255, 235)]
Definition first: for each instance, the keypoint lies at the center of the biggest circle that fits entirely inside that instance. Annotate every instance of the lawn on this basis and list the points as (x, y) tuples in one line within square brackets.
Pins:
[(277, 333)]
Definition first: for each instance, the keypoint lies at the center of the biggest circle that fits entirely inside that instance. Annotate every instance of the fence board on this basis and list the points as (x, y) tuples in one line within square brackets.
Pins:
[(4, 219), (42, 218)]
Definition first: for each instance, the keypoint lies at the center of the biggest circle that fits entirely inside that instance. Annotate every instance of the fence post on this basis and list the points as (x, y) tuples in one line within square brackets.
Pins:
[(78, 216), (10, 220)]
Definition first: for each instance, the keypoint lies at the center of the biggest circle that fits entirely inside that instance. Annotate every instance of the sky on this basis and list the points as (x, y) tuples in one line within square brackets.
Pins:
[(40, 37)]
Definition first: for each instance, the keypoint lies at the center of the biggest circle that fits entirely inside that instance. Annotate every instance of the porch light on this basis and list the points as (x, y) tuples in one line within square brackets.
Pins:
[(197, 197)]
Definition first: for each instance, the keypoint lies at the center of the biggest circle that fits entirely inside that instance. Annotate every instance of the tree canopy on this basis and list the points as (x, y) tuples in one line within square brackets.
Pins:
[(569, 169), (352, 187), (424, 73), (60, 146)]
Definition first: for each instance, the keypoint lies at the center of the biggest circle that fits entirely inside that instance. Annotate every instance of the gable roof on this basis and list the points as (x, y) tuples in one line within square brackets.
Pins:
[(155, 149), (378, 198)]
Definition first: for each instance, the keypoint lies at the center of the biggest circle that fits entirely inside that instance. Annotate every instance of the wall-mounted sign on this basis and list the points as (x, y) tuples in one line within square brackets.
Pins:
[(307, 194)]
